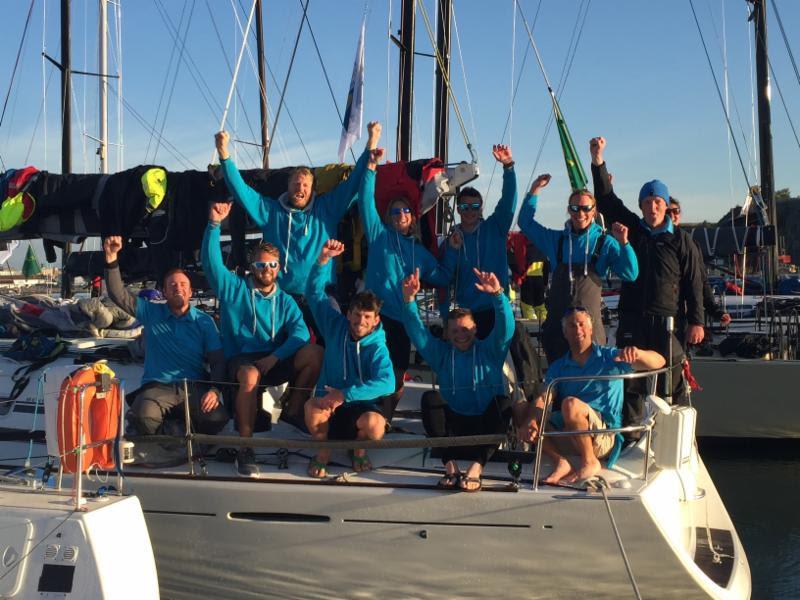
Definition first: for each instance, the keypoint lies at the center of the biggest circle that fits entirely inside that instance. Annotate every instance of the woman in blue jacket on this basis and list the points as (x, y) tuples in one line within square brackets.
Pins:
[(580, 255)]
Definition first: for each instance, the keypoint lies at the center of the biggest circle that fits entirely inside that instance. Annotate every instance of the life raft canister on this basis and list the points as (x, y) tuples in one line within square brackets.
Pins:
[(101, 409)]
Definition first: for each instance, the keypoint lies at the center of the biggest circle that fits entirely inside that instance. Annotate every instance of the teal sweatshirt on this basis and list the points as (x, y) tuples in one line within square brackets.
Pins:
[(467, 380), (251, 321), (360, 369), (484, 249), (577, 248), (392, 256), (298, 234)]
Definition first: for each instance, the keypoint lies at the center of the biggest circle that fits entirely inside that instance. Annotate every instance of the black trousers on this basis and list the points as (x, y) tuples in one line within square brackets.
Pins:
[(440, 420), (155, 402)]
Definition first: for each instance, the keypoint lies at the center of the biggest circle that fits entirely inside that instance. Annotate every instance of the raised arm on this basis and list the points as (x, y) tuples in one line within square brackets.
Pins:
[(316, 297), (431, 348), (640, 360), (219, 277), (116, 288), (335, 203), (504, 211), (608, 202), (373, 226), (546, 240), (622, 258), (500, 337), (243, 193)]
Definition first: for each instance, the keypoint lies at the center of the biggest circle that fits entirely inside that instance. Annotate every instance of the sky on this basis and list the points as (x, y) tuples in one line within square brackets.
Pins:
[(639, 77)]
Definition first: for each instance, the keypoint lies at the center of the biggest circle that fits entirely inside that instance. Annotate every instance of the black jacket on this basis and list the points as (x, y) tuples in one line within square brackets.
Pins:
[(668, 264)]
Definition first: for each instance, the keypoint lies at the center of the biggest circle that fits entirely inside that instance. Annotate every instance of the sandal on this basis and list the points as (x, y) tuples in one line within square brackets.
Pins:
[(361, 463), (317, 469), (464, 481), (449, 481)]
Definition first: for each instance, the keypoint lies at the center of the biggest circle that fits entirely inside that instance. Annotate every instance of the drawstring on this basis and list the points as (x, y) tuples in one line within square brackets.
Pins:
[(453, 368), (358, 357), (400, 251), (585, 258), (253, 304), (288, 241)]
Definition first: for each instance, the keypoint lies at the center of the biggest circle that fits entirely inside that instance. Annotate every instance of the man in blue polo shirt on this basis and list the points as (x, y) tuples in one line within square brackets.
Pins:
[(179, 341), (584, 404)]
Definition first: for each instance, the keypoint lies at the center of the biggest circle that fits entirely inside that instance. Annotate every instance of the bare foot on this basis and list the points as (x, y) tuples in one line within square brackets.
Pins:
[(361, 461), (563, 469), (471, 481), (587, 471)]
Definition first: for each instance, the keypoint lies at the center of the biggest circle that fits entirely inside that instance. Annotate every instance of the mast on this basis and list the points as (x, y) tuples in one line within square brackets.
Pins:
[(66, 127), (759, 18), (102, 150), (442, 96), (262, 85), (405, 109)]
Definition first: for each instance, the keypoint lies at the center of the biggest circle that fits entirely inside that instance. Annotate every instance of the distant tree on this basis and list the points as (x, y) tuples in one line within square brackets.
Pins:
[(782, 194)]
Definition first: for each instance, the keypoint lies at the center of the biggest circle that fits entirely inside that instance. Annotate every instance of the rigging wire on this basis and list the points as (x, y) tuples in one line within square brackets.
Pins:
[(513, 57), (754, 154), (446, 79), (288, 73), (464, 77), (45, 81), (727, 98), (783, 102), (719, 93), (786, 41), (388, 62), (42, 110), (16, 61)]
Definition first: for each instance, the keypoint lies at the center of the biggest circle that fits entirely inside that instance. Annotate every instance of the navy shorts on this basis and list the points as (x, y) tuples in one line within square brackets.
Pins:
[(342, 425), (282, 372)]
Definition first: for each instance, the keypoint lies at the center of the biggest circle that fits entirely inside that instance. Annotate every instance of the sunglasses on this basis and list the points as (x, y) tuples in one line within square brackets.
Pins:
[(574, 309), (467, 205), (576, 208), (400, 210), (673, 211), (261, 265)]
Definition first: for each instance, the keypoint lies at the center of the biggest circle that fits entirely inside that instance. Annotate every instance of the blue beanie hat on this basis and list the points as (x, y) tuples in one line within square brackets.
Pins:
[(654, 188)]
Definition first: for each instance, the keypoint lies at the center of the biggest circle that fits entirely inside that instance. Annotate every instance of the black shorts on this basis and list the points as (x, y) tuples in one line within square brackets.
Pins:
[(282, 372), (342, 425), (397, 342)]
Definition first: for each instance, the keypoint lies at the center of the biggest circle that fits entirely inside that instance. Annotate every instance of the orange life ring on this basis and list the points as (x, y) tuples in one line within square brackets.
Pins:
[(101, 409)]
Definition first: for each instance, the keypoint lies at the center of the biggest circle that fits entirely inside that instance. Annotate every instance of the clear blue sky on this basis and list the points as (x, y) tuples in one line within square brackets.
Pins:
[(639, 78)]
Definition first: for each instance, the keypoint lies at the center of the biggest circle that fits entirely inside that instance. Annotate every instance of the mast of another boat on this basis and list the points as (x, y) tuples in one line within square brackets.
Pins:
[(405, 105), (442, 116), (759, 18), (66, 127), (102, 150)]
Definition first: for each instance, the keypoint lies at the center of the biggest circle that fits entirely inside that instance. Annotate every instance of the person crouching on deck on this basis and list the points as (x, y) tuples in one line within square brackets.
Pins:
[(356, 371), (470, 375), (585, 404)]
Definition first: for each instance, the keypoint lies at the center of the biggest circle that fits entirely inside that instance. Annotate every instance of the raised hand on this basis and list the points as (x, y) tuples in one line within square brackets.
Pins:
[(331, 249), (456, 240), (620, 233), (540, 182), (375, 157), (502, 153), (374, 129), (596, 147), (111, 246), (487, 282), (411, 286), (218, 211), (628, 354), (221, 139)]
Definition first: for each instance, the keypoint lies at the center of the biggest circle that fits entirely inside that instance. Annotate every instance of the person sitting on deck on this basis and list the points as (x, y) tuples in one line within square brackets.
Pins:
[(478, 243), (179, 340), (394, 253), (356, 371), (470, 376), (581, 255), (586, 404), (263, 334), (298, 222)]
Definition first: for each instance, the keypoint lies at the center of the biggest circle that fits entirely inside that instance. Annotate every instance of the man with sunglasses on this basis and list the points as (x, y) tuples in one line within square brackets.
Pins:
[(711, 307), (667, 265), (263, 334), (583, 405), (297, 222), (582, 255), (478, 243)]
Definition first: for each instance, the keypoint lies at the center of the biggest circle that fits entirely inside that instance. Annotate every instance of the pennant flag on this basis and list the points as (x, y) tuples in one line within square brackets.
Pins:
[(354, 109), (577, 176), (31, 265)]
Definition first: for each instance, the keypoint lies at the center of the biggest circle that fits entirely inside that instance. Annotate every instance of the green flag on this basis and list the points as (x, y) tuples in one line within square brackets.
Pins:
[(577, 176), (31, 265)]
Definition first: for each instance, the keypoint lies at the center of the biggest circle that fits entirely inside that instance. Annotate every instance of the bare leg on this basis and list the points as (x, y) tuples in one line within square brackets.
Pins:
[(307, 363), (371, 426), (317, 419), (576, 417), (248, 377)]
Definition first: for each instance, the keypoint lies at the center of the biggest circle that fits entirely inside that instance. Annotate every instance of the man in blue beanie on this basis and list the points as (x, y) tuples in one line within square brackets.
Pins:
[(667, 266)]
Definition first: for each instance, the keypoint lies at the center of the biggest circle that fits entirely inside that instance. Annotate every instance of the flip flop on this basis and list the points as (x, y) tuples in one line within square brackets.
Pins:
[(317, 469), (464, 481), (361, 464), (449, 481)]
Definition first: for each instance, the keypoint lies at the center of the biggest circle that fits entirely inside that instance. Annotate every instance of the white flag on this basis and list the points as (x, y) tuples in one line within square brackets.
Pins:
[(354, 109)]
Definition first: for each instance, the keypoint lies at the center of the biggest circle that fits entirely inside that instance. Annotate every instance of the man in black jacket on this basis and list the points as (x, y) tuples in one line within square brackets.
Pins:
[(667, 265)]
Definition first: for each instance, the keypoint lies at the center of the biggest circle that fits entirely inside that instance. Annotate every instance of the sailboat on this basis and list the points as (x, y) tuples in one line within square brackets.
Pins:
[(654, 525)]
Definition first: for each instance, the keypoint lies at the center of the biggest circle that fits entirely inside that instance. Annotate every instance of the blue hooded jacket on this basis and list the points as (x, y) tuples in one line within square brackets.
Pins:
[(467, 380), (484, 249), (299, 234), (577, 248), (249, 320), (392, 256), (360, 369)]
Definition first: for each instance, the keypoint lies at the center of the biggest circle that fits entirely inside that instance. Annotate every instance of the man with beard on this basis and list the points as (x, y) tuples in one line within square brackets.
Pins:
[(298, 222), (263, 334), (179, 340)]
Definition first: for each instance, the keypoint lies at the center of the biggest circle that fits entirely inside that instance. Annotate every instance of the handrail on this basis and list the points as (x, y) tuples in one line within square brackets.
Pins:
[(548, 393)]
